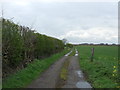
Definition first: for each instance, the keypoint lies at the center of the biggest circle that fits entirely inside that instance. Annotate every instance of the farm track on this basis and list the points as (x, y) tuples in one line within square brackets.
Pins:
[(51, 77), (75, 76), (48, 79)]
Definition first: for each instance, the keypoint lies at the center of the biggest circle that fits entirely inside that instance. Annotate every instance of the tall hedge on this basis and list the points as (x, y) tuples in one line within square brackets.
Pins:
[(21, 45)]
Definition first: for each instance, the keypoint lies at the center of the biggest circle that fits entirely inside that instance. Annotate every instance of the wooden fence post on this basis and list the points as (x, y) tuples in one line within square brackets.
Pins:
[(92, 51)]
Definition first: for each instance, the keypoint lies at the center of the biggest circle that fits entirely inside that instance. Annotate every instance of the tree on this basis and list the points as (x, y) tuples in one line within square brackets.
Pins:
[(64, 41)]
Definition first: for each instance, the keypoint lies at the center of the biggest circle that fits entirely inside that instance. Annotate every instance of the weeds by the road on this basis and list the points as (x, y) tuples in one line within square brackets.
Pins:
[(63, 74), (73, 52), (101, 73), (64, 70), (25, 76)]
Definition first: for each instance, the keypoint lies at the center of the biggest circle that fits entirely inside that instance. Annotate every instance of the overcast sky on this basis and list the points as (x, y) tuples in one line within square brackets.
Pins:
[(78, 22)]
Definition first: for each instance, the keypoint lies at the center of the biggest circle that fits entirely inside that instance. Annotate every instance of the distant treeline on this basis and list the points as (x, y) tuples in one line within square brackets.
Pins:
[(104, 44), (21, 45)]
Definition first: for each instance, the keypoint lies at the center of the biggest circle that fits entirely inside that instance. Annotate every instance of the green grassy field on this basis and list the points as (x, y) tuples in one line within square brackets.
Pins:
[(102, 72), (24, 77)]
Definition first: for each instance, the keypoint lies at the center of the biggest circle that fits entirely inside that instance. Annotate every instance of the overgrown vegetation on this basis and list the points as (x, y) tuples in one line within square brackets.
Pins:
[(21, 45), (102, 72), (23, 77)]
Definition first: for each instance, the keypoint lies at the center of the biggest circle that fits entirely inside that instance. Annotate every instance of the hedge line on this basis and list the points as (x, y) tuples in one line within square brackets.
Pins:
[(21, 45)]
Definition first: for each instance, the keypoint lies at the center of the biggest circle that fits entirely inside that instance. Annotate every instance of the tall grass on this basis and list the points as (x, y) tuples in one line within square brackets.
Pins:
[(102, 72)]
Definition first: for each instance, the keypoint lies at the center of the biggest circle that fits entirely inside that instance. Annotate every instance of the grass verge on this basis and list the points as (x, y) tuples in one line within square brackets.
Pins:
[(25, 76), (102, 72), (73, 52), (63, 74), (64, 70)]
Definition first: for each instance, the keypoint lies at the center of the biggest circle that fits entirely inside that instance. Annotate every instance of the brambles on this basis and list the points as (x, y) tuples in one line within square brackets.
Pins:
[(21, 45)]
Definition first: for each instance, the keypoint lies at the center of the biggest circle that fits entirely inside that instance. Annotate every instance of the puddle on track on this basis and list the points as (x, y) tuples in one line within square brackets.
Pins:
[(82, 83), (68, 53), (79, 74), (76, 54)]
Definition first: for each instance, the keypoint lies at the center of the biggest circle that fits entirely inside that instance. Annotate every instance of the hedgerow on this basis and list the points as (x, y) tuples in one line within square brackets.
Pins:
[(21, 45)]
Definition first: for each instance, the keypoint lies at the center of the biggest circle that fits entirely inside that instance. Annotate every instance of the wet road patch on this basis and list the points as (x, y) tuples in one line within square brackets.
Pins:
[(83, 84)]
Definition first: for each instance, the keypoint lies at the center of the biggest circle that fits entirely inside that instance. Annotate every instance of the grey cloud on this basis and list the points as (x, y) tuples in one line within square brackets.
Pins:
[(56, 19)]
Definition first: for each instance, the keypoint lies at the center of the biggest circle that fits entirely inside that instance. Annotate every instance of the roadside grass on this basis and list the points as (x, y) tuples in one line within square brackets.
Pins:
[(63, 75), (102, 72), (73, 52), (25, 76), (64, 70)]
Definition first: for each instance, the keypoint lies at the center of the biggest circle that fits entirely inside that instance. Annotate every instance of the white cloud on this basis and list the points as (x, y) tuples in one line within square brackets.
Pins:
[(25, 3), (60, 0), (78, 22), (96, 35)]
